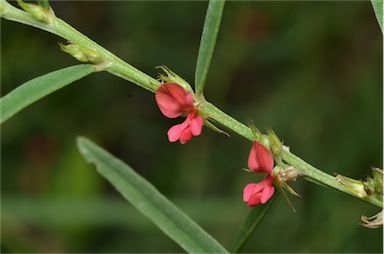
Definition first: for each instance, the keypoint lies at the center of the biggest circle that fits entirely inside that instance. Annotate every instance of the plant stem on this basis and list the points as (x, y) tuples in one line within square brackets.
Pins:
[(122, 69), (222, 118), (118, 67), (303, 167), (324, 178)]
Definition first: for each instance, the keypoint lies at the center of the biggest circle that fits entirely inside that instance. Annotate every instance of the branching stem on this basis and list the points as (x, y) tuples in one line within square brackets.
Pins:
[(120, 68)]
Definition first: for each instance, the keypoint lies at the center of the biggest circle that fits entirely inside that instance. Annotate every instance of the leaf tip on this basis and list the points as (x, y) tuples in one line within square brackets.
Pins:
[(82, 144)]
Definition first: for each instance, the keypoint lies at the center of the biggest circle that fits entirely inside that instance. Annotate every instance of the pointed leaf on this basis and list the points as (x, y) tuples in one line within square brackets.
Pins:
[(208, 42), (378, 8), (149, 201), (39, 87)]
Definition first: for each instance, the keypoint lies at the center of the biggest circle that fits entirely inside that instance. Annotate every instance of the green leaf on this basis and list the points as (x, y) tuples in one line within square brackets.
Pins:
[(378, 8), (149, 201), (253, 220), (207, 43), (39, 87)]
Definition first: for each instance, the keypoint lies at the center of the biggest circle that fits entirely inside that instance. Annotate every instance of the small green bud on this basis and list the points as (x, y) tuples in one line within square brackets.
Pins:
[(275, 143), (256, 133), (75, 51), (355, 186), (172, 77), (82, 54), (258, 136), (374, 185), (92, 55), (38, 12)]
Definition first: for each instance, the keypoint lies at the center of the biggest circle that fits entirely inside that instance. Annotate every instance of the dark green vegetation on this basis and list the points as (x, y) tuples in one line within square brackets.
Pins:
[(312, 71)]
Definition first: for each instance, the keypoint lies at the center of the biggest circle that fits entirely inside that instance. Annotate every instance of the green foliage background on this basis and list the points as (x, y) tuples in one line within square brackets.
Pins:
[(310, 70)]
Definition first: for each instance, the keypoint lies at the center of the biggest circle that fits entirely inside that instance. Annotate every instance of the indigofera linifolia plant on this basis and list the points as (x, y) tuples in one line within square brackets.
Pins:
[(177, 98)]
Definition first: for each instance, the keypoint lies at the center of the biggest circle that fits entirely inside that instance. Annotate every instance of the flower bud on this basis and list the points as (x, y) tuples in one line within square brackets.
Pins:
[(355, 186), (256, 133), (82, 54), (38, 12), (374, 185), (274, 142)]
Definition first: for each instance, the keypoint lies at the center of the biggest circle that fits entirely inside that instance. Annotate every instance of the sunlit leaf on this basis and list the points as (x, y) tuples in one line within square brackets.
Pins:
[(149, 201), (39, 87), (208, 42)]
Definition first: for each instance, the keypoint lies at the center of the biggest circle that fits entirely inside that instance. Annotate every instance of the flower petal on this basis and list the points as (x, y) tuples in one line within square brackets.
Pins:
[(196, 124), (256, 193), (248, 191), (186, 135), (182, 96), (253, 164), (254, 200), (251, 189), (167, 103), (175, 132), (177, 91), (260, 159), (267, 194), (188, 102), (268, 189)]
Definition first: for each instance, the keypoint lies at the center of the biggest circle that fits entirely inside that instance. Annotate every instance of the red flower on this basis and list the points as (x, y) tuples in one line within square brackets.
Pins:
[(260, 159), (192, 126), (173, 101), (256, 193)]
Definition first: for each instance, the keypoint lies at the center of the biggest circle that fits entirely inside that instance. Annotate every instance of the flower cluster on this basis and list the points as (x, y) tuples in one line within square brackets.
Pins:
[(174, 101), (260, 160)]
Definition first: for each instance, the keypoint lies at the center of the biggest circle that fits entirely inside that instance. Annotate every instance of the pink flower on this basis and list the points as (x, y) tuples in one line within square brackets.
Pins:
[(174, 101), (192, 126), (260, 159), (256, 193)]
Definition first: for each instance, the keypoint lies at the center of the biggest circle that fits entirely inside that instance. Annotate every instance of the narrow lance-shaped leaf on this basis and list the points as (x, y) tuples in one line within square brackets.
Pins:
[(39, 87), (208, 42), (253, 220), (378, 8), (149, 201)]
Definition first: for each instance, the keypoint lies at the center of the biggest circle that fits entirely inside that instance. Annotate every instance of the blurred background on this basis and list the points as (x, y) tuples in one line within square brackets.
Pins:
[(310, 70)]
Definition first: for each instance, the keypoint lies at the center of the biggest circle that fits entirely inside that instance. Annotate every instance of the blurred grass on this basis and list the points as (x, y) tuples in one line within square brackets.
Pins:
[(310, 70)]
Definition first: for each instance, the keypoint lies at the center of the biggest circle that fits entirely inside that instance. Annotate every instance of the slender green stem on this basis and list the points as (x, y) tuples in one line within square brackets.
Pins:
[(323, 178), (117, 66), (303, 167), (122, 69), (226, 120)]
